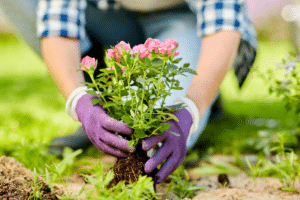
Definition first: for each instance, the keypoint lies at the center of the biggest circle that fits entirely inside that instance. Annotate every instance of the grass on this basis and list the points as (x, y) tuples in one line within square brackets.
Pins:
[(32, 107)]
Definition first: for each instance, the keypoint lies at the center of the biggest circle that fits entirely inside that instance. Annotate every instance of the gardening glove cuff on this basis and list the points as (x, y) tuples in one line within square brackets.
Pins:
[(73, 99), (193, 110)]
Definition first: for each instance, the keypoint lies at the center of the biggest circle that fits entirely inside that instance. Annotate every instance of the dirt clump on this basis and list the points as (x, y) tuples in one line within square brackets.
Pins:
[(129, 168), (13, 178)]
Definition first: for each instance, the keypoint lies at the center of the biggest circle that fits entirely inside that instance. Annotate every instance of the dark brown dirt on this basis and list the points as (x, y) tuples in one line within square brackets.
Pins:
[(12, 182), (223, 179), (129, 169)]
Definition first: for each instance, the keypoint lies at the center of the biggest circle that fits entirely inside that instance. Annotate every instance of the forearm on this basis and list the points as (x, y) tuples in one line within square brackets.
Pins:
[(216, 58), (62, 57)]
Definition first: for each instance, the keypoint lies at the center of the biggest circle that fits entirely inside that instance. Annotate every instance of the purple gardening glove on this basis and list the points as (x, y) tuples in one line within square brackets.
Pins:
[(100, 128), (173, 149)]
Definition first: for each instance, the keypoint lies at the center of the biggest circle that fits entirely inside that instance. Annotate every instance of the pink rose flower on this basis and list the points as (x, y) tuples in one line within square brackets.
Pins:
[(124, 45), (163, 48), (171, 44), (88, 62), (152, 44), (118, 50), (141, 49), (110, 53), (168, 45)]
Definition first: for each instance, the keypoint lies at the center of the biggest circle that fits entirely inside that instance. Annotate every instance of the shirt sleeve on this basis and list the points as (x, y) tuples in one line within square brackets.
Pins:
[(216, 15), (63, 18)]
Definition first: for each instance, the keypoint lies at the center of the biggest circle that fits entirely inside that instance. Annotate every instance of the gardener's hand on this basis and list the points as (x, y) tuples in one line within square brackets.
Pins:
[(100, 128), (173, 150)]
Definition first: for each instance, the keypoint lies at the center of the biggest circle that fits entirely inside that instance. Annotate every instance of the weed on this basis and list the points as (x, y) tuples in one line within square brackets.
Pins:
[(28, 152), (182, 187), (37, 186), (59, 174), (286, 166), (66, 166)]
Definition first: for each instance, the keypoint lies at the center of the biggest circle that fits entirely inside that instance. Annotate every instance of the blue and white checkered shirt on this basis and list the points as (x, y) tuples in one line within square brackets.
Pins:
[(66, 18)]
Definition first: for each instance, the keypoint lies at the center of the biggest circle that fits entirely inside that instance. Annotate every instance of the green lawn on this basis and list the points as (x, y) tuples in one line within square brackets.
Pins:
[(33, 109), (31, 106)]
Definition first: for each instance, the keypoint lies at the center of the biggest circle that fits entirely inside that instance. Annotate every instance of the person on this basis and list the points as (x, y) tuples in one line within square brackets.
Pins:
[(213, 36)]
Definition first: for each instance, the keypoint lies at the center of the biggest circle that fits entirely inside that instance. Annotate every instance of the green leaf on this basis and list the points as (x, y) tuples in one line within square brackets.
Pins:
[(171, 116), (82, 189), (139, 133), (127, 119), (177, 88), (157, 62), (186, 65), (131, 143), (140, 80), (132, 113), (107, 71), (91, 92), (155, 70), (34, 175), (102, 79), (48, 179), (131, 71), (172, 67), (151, 80), (109, 104), (177, 60), (165, 126), (145, 107), (165, 92), (147, 62), (191, 71), (95, 101)]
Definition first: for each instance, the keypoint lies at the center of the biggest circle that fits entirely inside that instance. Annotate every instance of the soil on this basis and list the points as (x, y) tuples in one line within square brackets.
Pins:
[(239, 187), (12, 182), (242, 187), (129, 169)]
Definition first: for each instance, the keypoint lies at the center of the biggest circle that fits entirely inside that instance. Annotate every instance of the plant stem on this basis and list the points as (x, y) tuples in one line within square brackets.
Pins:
[(158, 88), (117, 80), (93, 80), (128, 81), (162, 105), (143, 94)]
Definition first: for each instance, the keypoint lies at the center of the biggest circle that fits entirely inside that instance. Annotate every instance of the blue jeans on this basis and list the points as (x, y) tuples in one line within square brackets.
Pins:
[(180, 26)]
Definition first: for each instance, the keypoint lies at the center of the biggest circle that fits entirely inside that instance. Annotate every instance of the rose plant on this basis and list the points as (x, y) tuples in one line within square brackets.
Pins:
[(134, 86)]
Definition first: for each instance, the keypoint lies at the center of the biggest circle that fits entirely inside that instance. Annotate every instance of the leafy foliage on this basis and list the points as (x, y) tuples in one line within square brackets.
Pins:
[(132, 86), (286, 84)]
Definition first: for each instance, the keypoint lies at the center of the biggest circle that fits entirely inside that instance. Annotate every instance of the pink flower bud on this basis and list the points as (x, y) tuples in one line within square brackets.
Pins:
[(176, 53), (110, 53), (88, 62), (110, 68), (124, 45)]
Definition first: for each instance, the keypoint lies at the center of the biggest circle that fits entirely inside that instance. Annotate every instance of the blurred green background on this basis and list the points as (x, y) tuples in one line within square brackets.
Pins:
[(32, 109)]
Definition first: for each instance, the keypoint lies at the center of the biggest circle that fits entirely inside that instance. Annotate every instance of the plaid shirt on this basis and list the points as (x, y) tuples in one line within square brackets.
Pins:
[(66, 18)]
